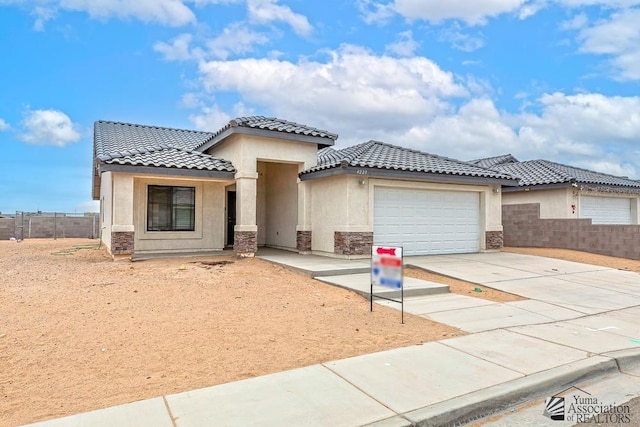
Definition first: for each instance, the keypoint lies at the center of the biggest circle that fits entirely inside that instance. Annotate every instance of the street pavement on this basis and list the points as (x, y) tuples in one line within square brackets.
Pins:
[(577, 325)]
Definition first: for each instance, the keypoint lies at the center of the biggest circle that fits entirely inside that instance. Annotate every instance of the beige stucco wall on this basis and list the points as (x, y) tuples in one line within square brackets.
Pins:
[(244, 151), (210, 218), (261, 203), (329, 213), (122, 191), (342, 203), (281, 201), (106, 210), (267, 189), (555, 203)]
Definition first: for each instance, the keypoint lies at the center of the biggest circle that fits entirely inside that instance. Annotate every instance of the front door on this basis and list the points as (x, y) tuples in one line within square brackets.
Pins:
[(231, 216)]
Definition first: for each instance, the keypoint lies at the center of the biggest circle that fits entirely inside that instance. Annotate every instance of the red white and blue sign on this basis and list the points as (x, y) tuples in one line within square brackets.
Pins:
[(386, 266)]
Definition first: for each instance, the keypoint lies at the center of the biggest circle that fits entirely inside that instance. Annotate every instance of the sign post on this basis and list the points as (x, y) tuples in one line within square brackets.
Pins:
[(387, 270)]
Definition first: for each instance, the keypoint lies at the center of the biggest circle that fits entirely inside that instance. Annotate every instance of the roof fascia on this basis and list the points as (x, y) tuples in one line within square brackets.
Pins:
[(412, 175), (324, 142), (151, 170), (538, 187)]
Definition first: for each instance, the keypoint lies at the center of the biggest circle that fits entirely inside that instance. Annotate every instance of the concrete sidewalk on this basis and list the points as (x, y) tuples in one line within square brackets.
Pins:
[(525, 349)]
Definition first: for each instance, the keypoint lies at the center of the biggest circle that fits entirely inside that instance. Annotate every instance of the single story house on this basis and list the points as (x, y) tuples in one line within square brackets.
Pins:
[(561, 206), (569, 192), (262, 181)]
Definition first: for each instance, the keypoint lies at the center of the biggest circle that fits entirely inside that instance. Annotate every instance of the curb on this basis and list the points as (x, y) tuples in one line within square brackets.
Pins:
[(499, 398)]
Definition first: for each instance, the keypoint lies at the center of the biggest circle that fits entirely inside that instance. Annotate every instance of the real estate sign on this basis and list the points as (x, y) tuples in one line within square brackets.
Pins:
[(386, 270), (386, 266)]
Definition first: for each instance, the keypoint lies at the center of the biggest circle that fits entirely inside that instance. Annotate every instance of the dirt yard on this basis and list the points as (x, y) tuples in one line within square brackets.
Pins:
[(80, 332), (584, 257), (461, 287)]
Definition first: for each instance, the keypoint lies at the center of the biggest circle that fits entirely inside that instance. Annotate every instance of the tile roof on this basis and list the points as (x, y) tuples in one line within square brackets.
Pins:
[(174, 158), (139, 145), (489, 162), (375, 154), (278, 125), (541, 172)]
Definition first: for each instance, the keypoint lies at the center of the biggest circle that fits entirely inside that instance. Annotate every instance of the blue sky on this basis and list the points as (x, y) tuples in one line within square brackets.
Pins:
[(553, 79)]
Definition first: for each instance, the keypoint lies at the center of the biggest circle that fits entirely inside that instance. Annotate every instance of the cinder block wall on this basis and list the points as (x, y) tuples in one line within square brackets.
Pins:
[(49, 227), (523, 227), (6, 228)]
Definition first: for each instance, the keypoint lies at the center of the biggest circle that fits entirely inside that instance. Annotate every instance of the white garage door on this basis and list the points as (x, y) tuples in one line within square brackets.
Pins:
[(606, 210), (427, 222)]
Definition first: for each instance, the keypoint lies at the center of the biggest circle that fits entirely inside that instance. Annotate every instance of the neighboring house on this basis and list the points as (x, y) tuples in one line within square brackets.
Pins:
[(562, 206), (568, 192), (269, 182)]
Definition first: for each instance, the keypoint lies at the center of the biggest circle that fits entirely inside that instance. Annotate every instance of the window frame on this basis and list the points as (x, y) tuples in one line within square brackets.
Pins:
[(172, 207)]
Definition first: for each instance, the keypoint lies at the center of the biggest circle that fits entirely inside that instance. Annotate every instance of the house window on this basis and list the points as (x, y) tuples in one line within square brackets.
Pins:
[(171, 208)]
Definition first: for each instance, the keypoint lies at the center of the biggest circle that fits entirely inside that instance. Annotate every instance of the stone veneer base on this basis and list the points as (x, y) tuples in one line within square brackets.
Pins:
[(245, 243), (352, 243), (494, 239), (303, 241), (122, 242)]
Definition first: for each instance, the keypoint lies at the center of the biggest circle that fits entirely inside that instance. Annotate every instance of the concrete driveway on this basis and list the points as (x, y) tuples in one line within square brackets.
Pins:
[(590, 308)]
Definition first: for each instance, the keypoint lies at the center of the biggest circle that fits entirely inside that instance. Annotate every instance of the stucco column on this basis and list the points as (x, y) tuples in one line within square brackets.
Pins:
[(303, 229), (122, 228), (245, 233), (491, 209)]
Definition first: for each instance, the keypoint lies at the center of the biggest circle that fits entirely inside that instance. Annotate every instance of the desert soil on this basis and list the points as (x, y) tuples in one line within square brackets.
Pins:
[(80, 332), (461, 287), (584, 257)]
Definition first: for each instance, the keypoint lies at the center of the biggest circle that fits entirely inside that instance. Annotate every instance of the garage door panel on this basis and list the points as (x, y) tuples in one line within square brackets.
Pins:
[(606, 210), (427, 222)]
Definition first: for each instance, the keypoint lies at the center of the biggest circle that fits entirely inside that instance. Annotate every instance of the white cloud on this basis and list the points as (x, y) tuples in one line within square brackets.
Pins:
[(352, 89), (179, 49), (213, 118), (585, 130), (475, 129), (166, 12), (373, 12), (617, 37), (610, 4), (48, 127), (42, 14), (530, 8), (236, 39), (611, 165), (588, 117), (459, 40), (435, 11), (411, 102), (577, 22), (267, 11), (4, 125), (404, 45)]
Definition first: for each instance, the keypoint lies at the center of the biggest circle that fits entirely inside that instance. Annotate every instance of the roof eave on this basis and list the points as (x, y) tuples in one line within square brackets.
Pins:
[(403, 174), (535, 187), (266, 133), (158, 170)]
